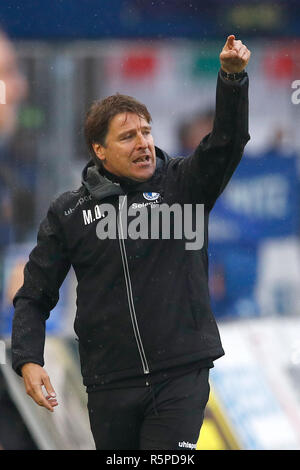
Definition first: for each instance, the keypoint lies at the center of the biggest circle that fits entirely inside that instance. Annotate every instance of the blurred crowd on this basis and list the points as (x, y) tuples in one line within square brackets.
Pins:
[(16, 216), (259, 205), (255, 263), (16, 172), (239, 280)]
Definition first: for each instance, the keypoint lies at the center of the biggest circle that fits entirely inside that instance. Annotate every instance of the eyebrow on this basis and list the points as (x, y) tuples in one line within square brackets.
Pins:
[(128, 131)]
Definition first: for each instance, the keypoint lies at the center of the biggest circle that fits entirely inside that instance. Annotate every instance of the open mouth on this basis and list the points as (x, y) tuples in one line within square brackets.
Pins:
[(142, 160)]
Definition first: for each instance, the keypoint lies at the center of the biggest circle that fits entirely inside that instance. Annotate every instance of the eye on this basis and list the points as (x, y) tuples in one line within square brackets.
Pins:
[(125, 137)]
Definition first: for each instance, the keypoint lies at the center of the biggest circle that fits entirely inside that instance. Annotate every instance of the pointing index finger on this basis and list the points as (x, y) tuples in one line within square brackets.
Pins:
[(230, 41)]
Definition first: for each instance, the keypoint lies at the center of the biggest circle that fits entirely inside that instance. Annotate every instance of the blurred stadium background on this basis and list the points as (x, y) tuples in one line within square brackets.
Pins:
[(165, 53)]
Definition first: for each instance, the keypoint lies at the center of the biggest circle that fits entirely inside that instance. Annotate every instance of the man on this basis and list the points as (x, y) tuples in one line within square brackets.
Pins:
[(147, 336), (11, 191), (13, 432)]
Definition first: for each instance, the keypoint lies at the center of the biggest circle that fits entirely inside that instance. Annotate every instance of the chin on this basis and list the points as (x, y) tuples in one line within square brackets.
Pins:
[(142, 176)]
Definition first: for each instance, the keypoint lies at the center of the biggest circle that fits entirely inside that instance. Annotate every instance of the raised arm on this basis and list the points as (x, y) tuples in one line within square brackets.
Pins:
[(207, 171)]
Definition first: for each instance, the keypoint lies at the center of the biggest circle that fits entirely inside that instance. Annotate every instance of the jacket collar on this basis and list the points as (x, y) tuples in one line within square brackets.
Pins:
[(101, 184)]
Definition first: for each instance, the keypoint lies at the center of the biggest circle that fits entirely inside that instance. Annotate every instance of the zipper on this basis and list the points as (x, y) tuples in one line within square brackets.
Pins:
[(129, 291)]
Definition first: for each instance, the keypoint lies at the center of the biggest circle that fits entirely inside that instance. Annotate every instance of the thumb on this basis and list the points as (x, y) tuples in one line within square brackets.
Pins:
[(230, 41), (48, 386)]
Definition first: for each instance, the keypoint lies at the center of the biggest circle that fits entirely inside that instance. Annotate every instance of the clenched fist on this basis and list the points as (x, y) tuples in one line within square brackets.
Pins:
[(234, 56)]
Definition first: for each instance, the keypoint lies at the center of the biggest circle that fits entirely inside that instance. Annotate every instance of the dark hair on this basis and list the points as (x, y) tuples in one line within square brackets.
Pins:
[(102, 112)]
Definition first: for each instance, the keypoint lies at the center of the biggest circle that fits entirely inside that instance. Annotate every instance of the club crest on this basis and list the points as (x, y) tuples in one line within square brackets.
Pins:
[(151, 196)]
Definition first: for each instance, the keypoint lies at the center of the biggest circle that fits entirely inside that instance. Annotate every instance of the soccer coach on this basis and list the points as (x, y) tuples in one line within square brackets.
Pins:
[(147, 335)]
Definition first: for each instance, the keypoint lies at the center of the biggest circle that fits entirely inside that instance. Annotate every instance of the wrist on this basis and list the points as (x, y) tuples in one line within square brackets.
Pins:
[(28, 365), (232, 76)]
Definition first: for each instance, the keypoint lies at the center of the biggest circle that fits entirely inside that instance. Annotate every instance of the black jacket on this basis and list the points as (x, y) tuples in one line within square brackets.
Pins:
[(142, 305)]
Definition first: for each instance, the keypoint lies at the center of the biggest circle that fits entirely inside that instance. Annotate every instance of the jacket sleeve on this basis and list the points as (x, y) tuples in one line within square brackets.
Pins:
[(44, 273), (207, 171)]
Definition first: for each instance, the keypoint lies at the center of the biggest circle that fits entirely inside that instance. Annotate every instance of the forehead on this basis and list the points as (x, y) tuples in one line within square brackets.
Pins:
[(123, 121)]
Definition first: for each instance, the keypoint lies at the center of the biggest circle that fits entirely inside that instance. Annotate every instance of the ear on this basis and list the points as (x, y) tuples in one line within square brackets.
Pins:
[(99, 151)]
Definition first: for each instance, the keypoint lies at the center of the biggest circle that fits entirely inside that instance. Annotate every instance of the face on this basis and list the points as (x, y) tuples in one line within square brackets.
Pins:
[(129, 148)]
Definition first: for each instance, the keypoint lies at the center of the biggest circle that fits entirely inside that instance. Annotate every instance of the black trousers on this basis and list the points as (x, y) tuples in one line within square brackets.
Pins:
[(167, 416)]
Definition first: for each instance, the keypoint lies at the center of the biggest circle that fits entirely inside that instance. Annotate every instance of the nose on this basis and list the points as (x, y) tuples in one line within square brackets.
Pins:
[(141, 141)]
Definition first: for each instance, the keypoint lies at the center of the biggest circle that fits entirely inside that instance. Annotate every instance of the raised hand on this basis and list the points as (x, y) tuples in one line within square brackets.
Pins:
[(234, 56)]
